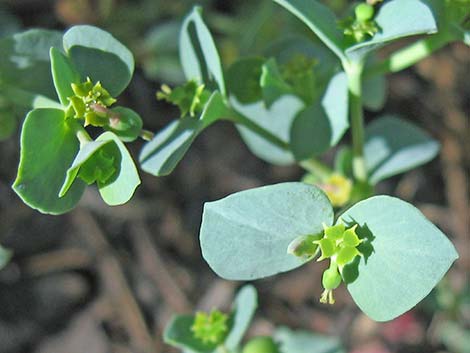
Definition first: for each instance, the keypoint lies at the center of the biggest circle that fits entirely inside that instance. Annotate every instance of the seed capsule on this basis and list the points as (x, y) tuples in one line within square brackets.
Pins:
[(364, 12)]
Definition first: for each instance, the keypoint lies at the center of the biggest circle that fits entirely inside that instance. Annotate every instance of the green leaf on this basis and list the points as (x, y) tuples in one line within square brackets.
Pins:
[(178, 333), (244, 308), (24, 62), (5, 256), (120, 189), (243, 80), (394, 146), (321, 126), (198, 53), (48, 147), (64, 74), (98, 55), (408, 256), (161, 155), (246, 235), (397, 19), (272, 84), (277, 120), (306, 342), (127, 125), (320, 20)]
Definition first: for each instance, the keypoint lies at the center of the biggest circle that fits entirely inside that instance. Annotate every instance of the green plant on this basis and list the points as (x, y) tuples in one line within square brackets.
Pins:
[(290, 106), (200, 333)]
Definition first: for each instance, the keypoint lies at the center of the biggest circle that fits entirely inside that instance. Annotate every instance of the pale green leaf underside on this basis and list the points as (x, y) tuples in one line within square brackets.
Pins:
[(121, 189), (198, 53), (306, 342), (244, 307), (397, 19), (161, 155), (410, 256), (98, 55), (245, 235), (48, 147), (277, 120), (394, 146)]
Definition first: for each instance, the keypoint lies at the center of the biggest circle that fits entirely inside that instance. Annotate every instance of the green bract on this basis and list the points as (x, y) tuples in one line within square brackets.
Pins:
[(58, 157)]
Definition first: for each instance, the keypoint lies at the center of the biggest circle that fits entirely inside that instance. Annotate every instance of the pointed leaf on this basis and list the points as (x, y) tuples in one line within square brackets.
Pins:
[(48, 147), (408, 257), (244, 308), (320, 20), (121, 188), (64, 74), (394, 146), (161, 155), (397, 19), (198, 53), (320, 127), (246, 235), (98, 55), (272, 84)]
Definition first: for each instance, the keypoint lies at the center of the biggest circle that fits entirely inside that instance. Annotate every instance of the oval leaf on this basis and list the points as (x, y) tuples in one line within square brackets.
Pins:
[(243, 80), (408, 256), (198, 53), (397, 19), (48, 147), (98, 55), (394, 146), (244, 307), (277, 120), (121, 188), (318, 128), (127, 125), (320, 20), (245, 235)]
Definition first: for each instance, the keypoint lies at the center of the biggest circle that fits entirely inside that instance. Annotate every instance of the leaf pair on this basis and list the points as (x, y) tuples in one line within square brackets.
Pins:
[(51, 155), (246, 235)]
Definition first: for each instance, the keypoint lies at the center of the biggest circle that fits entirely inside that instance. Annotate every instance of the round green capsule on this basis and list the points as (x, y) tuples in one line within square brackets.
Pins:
[(331, 278), (261, 345), (364, 12)]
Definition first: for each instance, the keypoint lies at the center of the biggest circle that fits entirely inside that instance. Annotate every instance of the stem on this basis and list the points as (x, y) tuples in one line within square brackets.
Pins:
[(80, 132), (314, 166), (354, 73), (238, 118), (410, 55)]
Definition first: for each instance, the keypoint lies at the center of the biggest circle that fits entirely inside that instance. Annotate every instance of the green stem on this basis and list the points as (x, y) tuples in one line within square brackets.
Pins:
[(410, 55), (316, 167), (354, 73), (80, 132), (238, 118)]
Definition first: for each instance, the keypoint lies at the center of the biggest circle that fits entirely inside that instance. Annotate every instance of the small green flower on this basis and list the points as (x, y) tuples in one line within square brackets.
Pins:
[(363, 26), (331, 280), (210, 328), (327, 247), (189, 98)]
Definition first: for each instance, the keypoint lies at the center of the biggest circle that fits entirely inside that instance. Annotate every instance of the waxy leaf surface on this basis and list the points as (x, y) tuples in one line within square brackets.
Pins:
[(48, 148), (98, 55), (161, 155), (409, 256), (198, 53), (63, 74), (394, 146), (245, 236)]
